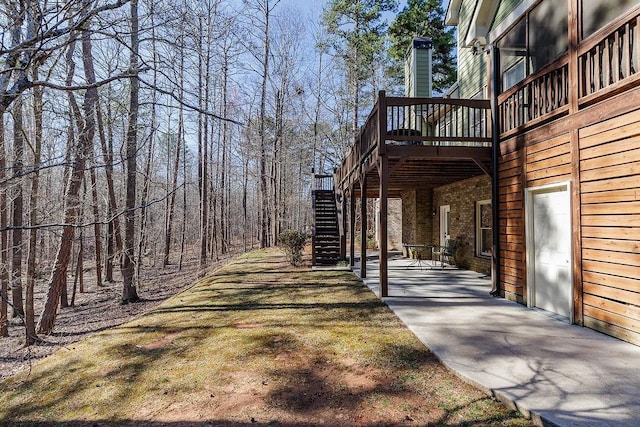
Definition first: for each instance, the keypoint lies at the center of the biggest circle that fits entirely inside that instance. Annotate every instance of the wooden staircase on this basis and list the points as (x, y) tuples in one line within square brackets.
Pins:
[(326, 235)]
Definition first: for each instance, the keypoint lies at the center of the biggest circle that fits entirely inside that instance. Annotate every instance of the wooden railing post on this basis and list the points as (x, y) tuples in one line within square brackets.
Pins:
[(573, 57), (313, 224), (382, 122)]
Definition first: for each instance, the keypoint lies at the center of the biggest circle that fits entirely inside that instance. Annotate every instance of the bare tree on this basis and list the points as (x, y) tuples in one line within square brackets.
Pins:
[(129, 289), (4, 239), (30, 327), (72, 200)]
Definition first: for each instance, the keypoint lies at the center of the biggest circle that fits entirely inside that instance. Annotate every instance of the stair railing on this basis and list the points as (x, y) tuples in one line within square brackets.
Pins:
[(319, 182)]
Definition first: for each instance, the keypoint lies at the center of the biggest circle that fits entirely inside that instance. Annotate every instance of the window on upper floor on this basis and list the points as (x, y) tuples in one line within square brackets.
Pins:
[(515, 74), (598, 13), (548, 33), (537, 39), (513, 51)]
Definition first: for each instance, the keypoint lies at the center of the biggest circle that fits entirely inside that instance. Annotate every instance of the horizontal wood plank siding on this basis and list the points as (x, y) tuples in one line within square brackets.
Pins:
[(549, 161), (511, 214), (610, 206)]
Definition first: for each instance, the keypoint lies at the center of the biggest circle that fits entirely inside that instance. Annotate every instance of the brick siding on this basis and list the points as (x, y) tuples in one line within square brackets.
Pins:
[(462, 197)]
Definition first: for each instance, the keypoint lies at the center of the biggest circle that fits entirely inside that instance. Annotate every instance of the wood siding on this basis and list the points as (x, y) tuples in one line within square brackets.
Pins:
[(610, 205), (511, 218), (609, 199)]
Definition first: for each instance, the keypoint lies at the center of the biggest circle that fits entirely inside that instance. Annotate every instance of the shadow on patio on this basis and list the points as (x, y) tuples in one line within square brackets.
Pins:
[(428, 280), (559, 373)]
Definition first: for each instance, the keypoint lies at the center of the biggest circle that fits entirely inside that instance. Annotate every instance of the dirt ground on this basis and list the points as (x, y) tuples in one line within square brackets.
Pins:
[(95, 310)]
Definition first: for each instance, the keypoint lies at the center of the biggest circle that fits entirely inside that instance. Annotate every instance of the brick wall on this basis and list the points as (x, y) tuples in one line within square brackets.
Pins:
[(417, 216), (394, 224), (462, 196)]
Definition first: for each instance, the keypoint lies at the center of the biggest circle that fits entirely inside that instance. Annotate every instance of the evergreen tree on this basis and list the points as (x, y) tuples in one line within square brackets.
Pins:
[(356, 35), (421, 18)]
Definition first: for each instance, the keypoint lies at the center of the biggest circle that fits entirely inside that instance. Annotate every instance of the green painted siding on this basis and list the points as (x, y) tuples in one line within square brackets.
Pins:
[(472, 69), (423, 76), (505, 8), (420, 84)]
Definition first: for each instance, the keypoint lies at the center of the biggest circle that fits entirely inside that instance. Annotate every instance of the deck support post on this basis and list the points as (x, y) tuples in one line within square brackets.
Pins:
[(343, 226), (495, 83), (383, 175), (363, 226), (383, 171), (576, 207), (352, 226)]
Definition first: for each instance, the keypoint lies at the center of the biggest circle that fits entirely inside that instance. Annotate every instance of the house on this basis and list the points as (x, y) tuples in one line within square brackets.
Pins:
[(565, 79), (561, 222)]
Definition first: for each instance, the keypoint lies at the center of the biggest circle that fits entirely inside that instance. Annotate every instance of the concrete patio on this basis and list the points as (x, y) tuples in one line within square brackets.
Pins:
[(559, 374)]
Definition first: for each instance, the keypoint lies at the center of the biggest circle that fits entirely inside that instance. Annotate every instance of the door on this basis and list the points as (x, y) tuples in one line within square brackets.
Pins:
[(549, 250), (445, 223)]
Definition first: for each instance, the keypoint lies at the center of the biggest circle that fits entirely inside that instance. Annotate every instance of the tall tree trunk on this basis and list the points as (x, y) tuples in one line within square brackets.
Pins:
[(264, 195), (144, 196), (30, 324), (152, 137), (4, 239), (223, 167), (17, 210), (129, 290), (245, 213), (97, 233), (72, 201), (114, 235), (16, 193), (172, 197), (184, 204), (203, 139)]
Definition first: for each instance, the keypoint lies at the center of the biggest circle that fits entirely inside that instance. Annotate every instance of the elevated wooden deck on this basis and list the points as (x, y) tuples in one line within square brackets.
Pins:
[(409, 143), (427, 142)]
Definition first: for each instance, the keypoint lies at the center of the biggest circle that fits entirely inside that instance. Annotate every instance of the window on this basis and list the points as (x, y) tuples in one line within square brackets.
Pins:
[(536, 40), (484, 231), (513, 75), (548, 33), (598, 13), (513, 51)]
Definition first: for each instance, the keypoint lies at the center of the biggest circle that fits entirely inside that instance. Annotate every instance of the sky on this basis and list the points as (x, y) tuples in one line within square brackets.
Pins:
[(315, 6)]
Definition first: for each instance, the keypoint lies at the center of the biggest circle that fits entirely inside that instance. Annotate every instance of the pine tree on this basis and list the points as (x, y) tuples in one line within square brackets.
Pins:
[(356, 34), (421, 18)]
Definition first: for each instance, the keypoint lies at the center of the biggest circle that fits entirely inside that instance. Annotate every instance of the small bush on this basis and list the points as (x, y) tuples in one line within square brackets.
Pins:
[(293, 242)]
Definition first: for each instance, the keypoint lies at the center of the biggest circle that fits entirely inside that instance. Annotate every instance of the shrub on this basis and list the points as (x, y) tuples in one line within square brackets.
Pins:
[(293, 242)]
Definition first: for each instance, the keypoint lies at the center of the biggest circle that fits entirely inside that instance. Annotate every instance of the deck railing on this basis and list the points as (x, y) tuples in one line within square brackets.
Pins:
[(441, 122), (322, 182), (610, 60), (608, 63), (540, 97), (438, 121)]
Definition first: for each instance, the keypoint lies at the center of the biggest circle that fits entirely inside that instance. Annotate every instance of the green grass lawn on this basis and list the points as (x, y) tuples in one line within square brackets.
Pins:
[(259, 342)]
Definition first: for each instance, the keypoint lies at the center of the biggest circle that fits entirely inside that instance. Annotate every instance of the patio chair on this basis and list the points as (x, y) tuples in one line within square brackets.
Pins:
[(446, 253)]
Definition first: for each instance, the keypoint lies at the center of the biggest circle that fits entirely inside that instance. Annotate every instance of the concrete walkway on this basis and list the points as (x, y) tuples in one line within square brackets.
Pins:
[(558, 373)]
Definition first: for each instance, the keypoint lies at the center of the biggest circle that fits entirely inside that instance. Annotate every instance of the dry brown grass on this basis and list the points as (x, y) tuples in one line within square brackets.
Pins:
[(258, 343)]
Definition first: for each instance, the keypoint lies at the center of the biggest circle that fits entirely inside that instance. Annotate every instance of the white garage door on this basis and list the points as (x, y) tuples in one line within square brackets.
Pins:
[(549, 241)]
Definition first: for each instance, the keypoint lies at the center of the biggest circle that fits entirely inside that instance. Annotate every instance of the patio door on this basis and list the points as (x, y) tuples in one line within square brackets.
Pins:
[(445, 224), (549, 268)]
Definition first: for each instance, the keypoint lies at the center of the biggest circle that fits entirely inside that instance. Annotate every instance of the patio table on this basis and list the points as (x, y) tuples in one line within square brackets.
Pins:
[(417, 254)]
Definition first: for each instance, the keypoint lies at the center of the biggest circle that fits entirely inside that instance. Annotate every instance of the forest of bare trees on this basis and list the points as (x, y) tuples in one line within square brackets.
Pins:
[(143, 133)]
